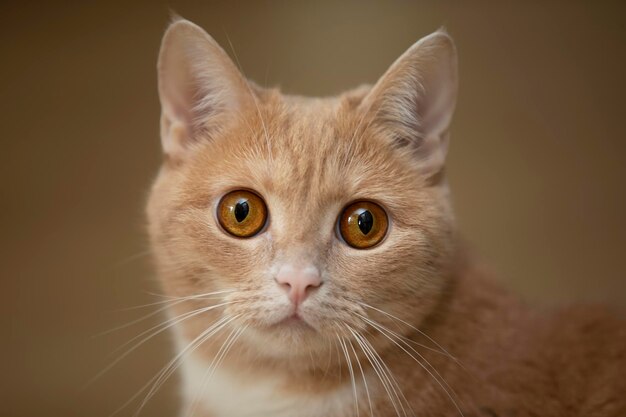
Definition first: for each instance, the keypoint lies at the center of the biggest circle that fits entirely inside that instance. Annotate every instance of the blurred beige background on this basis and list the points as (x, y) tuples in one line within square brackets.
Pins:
[(536, 164)]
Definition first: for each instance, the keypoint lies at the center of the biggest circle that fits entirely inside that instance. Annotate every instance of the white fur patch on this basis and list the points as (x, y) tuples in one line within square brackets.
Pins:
[(225, 395)]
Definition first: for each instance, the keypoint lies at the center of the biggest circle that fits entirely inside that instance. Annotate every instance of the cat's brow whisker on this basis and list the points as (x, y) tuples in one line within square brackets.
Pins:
[(254, 99), (437, 379), (256, 149), (352, 140)]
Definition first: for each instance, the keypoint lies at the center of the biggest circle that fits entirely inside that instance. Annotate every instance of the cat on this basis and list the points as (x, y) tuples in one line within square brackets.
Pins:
[(310, 251)]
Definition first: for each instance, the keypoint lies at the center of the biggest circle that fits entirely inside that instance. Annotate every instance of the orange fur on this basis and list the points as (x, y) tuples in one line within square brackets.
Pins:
[(308, 158)]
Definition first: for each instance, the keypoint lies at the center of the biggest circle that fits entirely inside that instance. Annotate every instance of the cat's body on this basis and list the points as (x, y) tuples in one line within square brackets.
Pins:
[(294, 317)]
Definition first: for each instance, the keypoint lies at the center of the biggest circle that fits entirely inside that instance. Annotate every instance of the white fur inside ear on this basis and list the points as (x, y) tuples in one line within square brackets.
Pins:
[(173, 136), (415, 99)]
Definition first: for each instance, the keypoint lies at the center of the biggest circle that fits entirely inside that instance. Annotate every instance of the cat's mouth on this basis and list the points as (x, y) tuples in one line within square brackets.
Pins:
[(294, 321)]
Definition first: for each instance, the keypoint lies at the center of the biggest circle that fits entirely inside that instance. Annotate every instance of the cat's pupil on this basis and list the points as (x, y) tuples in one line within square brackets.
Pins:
[(366, 221), (241, 210)]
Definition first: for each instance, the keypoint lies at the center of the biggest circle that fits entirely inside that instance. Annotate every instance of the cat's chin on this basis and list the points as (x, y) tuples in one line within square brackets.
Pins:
[(287, 337)]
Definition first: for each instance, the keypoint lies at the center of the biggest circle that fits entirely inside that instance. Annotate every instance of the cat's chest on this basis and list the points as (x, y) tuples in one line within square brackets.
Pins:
[(227, 395)]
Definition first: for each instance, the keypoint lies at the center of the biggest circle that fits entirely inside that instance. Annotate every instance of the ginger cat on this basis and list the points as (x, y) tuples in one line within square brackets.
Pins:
[(310, 248)]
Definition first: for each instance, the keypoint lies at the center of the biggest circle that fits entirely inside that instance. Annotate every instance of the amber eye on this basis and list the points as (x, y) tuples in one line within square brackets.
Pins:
[(242, 213), (363, 224)]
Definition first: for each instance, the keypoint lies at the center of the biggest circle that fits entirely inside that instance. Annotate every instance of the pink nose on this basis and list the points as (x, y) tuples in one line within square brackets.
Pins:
[(298, 281)]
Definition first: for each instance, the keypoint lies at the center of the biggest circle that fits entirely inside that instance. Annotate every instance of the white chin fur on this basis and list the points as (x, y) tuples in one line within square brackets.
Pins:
[(229, 395)]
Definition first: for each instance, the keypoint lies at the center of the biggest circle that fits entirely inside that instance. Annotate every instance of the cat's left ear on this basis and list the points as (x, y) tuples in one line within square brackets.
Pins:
[(413, 102)]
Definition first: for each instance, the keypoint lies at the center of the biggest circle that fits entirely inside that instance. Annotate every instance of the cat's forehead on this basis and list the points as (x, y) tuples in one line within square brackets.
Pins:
[(306, 154), (314, 152)]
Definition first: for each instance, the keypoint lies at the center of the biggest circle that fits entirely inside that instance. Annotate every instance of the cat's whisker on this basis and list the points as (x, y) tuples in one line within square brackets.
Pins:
[(169, 298), (338, 358), (138, 320), (155, 331), (330, 358), (219, 356), (312, 360), (214, 328), (140, 306), (159, 328), (413, 328), (132, 258), (167, 371), (367, 391), (168, 304), (393, 381), (379, 371), (383, 372), (436, 376), (406, 338), (342, 342), (379, 327)]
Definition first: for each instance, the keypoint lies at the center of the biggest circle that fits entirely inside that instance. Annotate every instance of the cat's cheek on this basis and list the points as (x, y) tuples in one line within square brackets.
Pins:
[(392, 275)]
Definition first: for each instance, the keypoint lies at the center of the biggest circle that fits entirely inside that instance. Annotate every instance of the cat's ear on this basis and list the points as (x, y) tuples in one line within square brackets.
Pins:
[(199, 87), (414, 100)]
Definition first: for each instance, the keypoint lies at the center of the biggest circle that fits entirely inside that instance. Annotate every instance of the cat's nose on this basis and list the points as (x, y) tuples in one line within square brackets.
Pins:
[(299, 282)]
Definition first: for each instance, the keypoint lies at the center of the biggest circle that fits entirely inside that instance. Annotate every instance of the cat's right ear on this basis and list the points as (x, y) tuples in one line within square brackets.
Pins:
[(200, 88)]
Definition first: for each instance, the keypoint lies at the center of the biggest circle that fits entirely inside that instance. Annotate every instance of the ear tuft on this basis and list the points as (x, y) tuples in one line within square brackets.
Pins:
[(414, 100), (175, 17)]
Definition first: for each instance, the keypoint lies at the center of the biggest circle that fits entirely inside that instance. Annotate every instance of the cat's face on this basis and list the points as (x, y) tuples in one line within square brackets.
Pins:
[(299, 215)]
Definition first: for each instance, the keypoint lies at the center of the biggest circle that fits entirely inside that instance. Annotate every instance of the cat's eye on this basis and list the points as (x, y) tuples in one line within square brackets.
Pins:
[(242, 213), (363, 224)]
